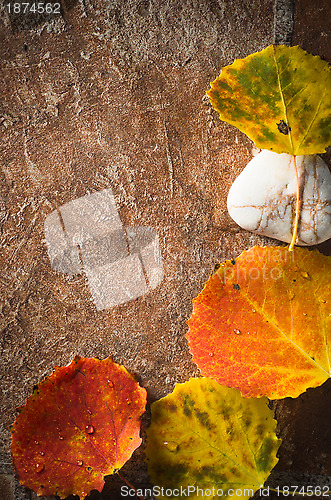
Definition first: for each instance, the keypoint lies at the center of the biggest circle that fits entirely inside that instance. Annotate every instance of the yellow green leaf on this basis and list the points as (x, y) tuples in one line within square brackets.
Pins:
[(205, 435), (279, 97)]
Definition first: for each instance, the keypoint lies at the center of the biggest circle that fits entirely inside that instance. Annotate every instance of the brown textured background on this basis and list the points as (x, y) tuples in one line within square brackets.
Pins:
[(111, 94)]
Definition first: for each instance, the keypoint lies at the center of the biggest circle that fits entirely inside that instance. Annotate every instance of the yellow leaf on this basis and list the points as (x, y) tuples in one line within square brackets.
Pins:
[(279, 97), (207, 436)]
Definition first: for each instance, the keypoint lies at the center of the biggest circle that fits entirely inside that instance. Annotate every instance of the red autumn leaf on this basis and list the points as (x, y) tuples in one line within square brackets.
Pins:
[(261, 323), (79, 424)]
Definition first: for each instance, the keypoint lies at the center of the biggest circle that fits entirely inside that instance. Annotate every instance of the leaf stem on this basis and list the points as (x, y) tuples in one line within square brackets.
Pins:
[(129, 484), (297, 207)]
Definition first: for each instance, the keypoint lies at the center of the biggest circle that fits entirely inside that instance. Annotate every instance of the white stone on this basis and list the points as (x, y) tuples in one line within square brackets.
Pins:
[(263, 197)]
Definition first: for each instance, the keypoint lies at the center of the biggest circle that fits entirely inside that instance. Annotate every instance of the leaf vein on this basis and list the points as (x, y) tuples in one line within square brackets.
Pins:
[(256, 306), (220, 452), (313, 119), (283, 99)]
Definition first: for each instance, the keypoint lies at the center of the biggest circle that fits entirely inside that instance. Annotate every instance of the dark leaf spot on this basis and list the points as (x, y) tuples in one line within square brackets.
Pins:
[(172, 408), (202, 416), (260, 429), (283, 127)]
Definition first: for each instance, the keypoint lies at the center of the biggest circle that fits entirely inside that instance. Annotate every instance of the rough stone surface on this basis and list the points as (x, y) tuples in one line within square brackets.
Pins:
[(312, 29), (283, 22), (110, 94), (7, 486)]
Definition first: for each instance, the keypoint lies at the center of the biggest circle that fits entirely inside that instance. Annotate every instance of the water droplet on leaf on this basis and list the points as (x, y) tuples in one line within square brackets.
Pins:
[(211, 354), (61, 438), (304, 274), (89, 429), (36, 442), (42, 453), (39, 467), (236, 331), (171, 445), (79, 463), (110, 383)]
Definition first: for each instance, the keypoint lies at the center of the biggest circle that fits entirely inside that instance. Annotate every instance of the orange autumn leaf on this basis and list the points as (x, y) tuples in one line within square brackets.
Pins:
[(79, 424), (262, 322)]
